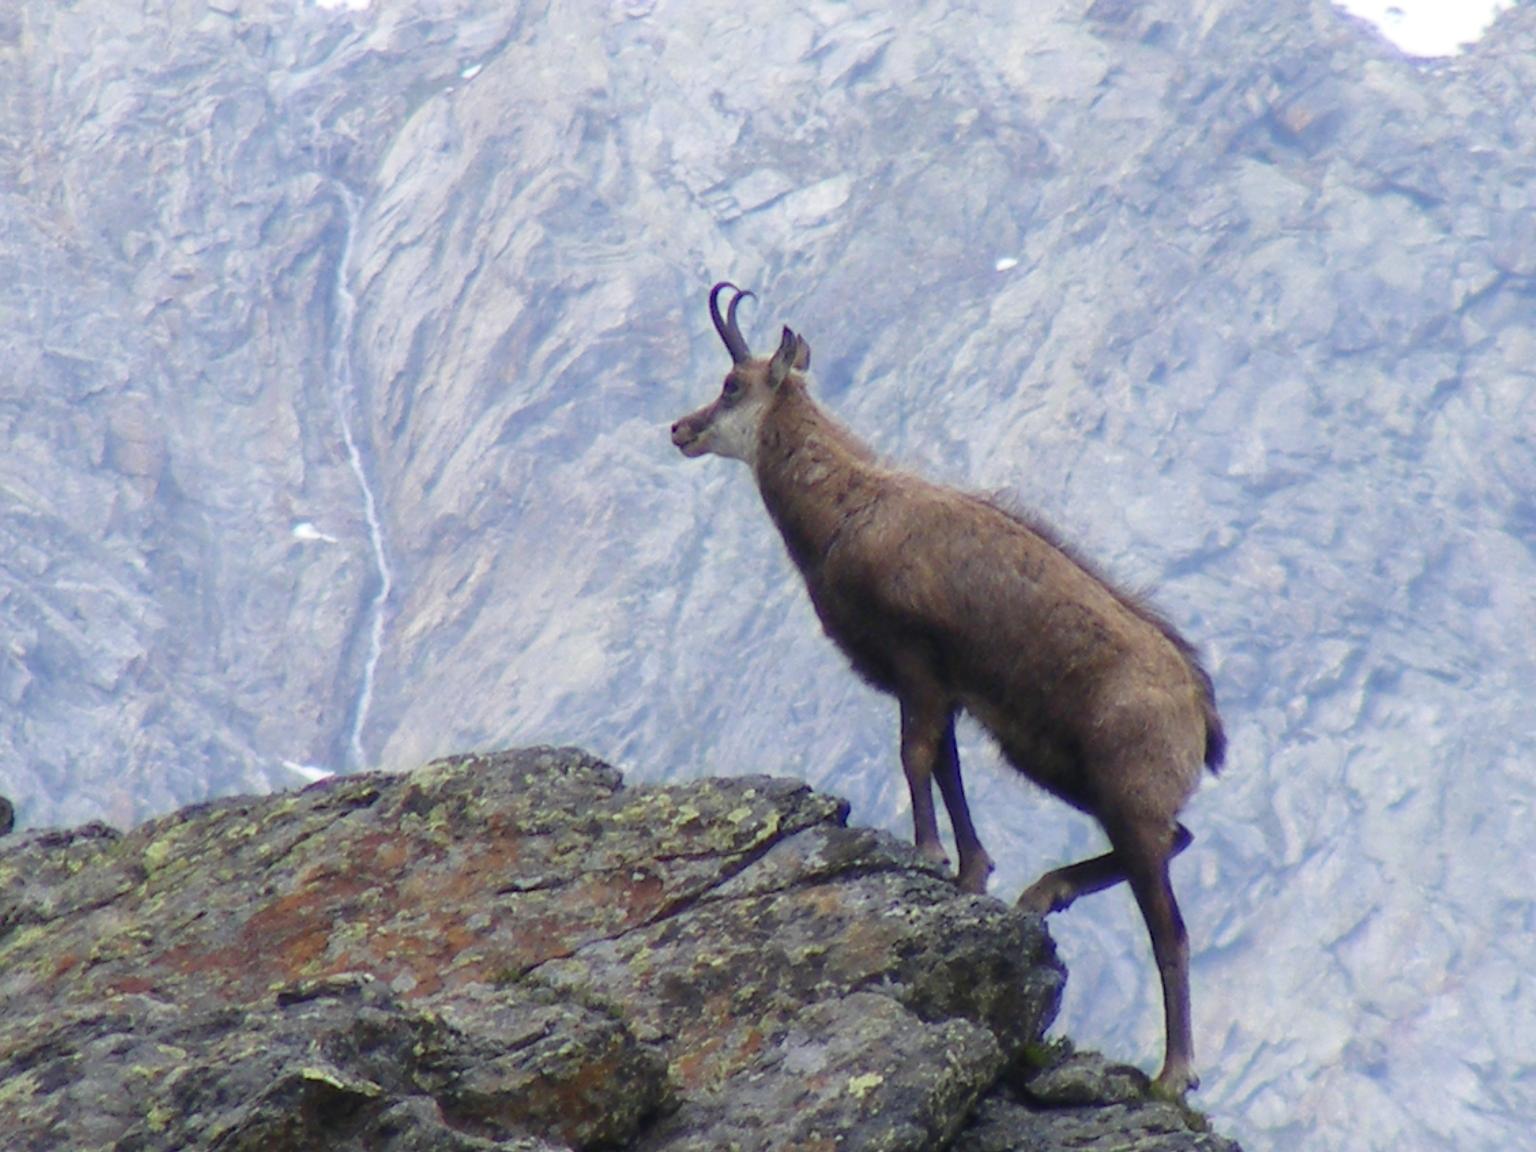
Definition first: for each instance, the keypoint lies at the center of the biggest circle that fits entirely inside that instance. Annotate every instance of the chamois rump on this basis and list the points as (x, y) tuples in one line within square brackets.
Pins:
[(947, 602)]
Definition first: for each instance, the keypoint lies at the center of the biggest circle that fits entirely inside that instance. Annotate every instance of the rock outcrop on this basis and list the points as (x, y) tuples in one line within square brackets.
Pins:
[(517, 951)]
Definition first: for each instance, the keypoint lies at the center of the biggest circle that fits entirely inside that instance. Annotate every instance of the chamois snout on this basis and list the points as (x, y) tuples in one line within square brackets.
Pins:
[(685, 435)]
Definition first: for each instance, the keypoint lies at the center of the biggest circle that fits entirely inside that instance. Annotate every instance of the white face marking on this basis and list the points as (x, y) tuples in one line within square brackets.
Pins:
[(729, 426), (733, 432)]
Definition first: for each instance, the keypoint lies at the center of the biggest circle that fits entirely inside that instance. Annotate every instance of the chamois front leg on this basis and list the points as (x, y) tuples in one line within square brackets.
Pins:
[(922, 730), (975, 864)]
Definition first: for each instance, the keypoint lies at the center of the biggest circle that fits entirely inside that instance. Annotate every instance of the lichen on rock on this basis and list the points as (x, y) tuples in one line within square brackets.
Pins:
[(514, 951)]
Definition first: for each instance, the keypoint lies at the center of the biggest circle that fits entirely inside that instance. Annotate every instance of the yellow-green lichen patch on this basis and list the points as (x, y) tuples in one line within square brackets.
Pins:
[(120, 944), (18, 1089), (861, 1086), (156, 853), (17, 942), (330, 1079)]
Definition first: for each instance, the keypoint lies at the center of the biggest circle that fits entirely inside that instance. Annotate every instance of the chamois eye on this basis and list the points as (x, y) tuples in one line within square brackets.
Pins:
[(732, 388)]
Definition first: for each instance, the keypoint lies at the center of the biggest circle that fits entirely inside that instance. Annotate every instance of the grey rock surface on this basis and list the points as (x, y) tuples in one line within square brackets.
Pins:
[(517, 951), (339, 346)]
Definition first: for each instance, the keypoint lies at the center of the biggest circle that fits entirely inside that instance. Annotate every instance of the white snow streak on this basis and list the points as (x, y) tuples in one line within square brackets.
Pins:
[(344, 397)]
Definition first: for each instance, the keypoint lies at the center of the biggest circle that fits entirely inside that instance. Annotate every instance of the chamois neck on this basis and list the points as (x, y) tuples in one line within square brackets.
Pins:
[(812, 473)]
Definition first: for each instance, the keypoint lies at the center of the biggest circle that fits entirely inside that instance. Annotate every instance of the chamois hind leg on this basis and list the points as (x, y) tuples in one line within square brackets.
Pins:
[(975, 864), (1145, 850), (1056, 890), (922, 731)]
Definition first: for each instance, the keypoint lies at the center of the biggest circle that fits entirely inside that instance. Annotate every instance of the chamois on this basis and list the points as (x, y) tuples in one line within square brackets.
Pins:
[(947, 602)]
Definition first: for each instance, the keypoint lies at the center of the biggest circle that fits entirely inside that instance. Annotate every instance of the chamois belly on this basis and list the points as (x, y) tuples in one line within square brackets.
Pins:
[(1129, 734), (901, 662), (1044, 752), (1077, 708)]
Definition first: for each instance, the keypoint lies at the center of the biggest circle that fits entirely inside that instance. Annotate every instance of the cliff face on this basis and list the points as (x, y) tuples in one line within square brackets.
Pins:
[(517, 951)]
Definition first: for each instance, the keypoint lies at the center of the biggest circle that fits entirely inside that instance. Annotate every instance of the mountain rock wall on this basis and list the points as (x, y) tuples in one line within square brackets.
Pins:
[(339, 348)]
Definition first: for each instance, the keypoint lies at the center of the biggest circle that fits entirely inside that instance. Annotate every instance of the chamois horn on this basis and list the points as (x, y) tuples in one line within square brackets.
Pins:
[(730, 331)]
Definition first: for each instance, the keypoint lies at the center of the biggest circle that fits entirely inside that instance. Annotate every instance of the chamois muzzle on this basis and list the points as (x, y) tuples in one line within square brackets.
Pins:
[(730, 331), (685, 435)]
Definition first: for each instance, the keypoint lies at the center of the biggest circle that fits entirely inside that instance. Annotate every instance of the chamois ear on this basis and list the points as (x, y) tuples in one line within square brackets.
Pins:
[(794, 355)]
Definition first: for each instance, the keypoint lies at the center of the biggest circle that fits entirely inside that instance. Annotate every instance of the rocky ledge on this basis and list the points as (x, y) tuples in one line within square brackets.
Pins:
[(516, 951)]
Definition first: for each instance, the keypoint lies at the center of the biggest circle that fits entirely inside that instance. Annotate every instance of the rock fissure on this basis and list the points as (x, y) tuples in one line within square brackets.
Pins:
[(678, 907)]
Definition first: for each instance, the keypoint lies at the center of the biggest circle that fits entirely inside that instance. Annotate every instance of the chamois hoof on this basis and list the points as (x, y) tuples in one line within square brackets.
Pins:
[(974, 875), (1172, 1084), (935, 854), (1045, 896)]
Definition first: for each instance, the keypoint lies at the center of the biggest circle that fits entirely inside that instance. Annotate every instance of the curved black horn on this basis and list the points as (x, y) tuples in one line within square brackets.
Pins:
[(735, 342)]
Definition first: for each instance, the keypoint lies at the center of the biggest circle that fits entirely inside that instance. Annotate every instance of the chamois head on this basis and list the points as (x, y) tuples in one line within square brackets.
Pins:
[(728, 427)]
